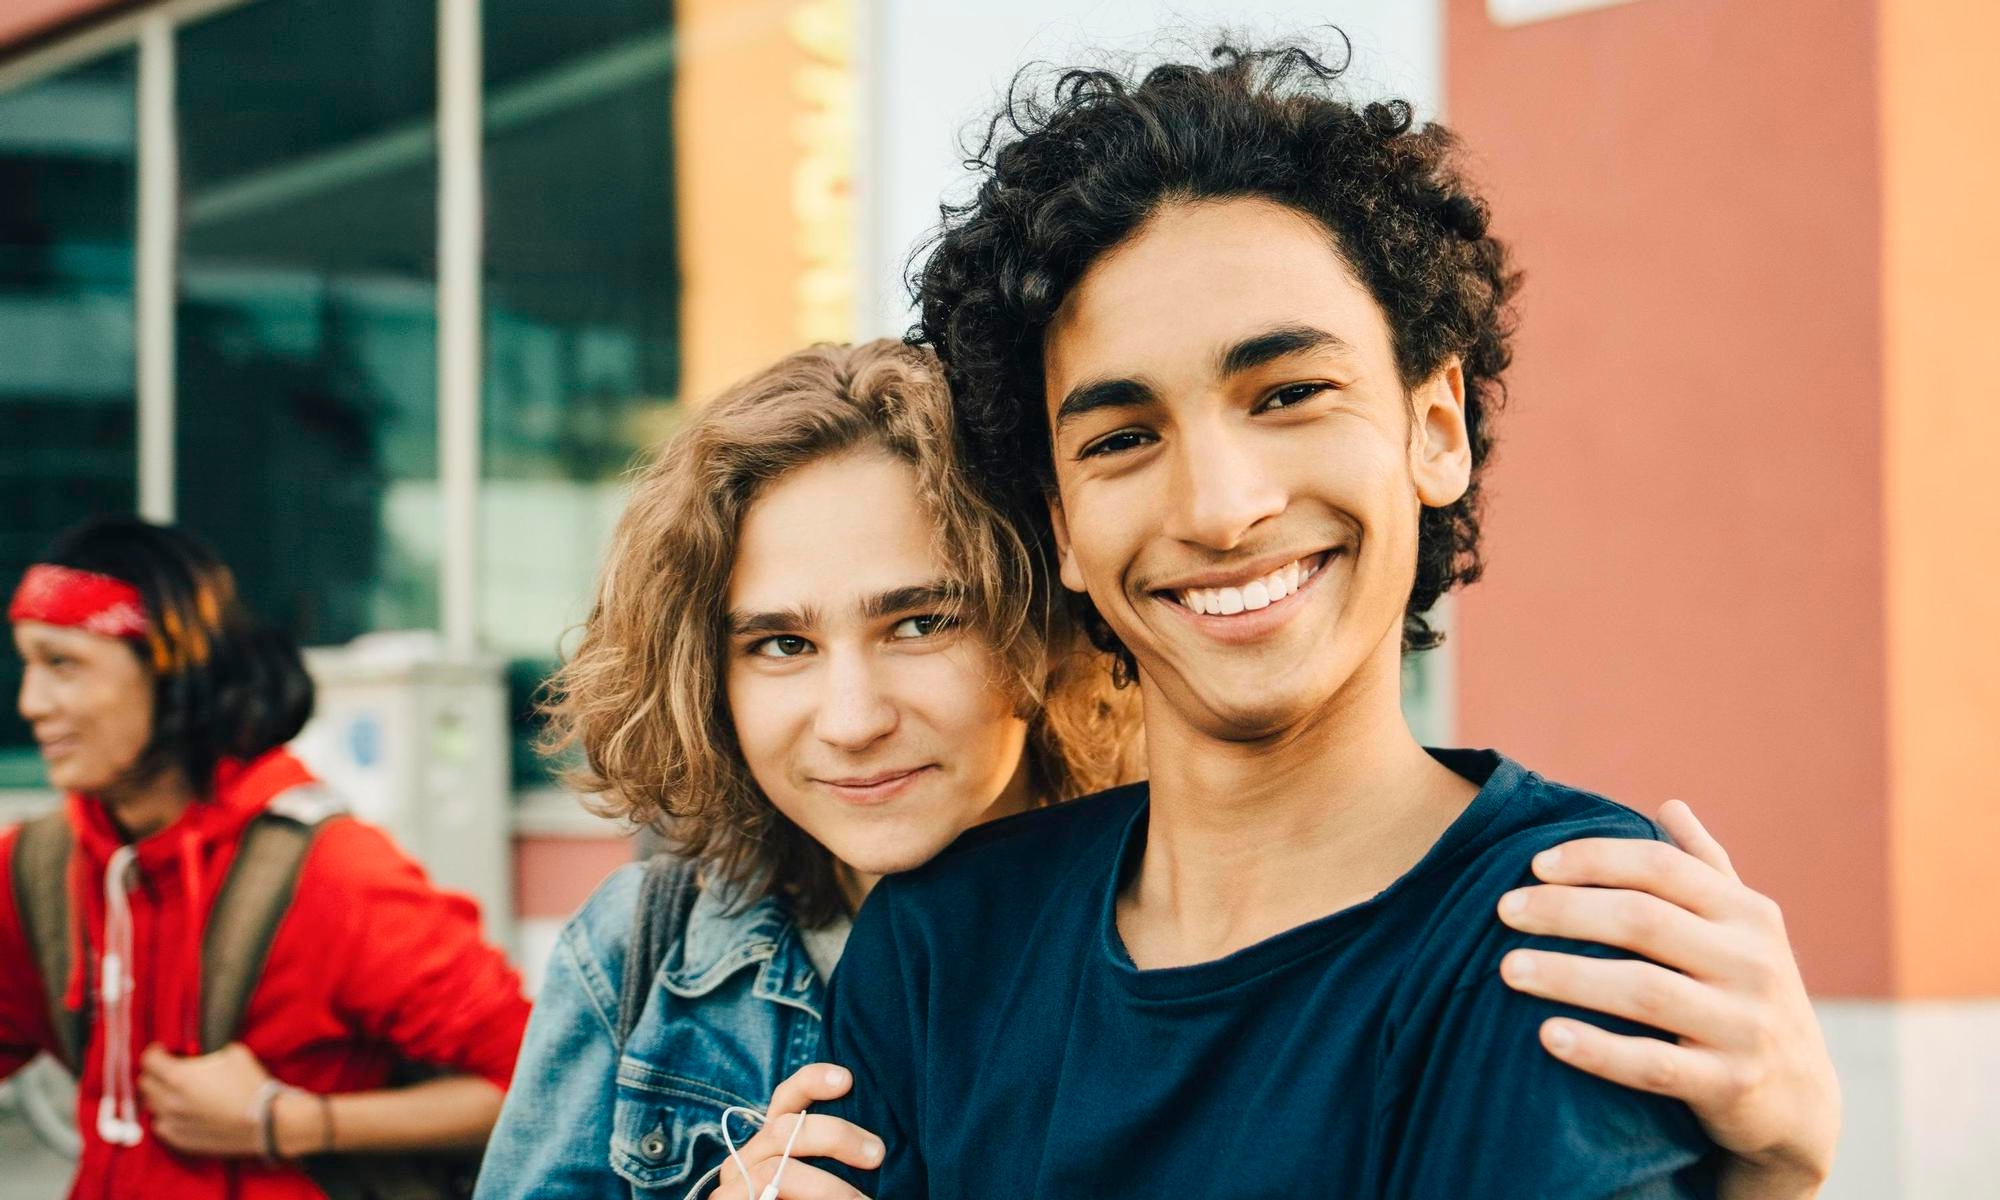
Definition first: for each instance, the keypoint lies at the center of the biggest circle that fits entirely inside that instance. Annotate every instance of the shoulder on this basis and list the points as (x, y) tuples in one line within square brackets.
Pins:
[(1026, 867), (1528, 815), (1518, 812), (352, 849), (1044, 843), (1547, 813), (356, 875), (599, 931)]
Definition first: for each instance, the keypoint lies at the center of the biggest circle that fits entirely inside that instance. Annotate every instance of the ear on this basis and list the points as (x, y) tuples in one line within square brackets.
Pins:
[(1072, 575), (1440, 444)]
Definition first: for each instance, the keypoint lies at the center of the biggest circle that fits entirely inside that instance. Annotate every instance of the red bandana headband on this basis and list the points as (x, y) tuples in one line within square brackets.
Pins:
[(79, 600)]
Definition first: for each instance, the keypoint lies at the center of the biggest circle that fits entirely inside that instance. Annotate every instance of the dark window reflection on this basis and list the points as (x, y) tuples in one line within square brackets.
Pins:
[(306, 446), (67, 209), (583, 300)]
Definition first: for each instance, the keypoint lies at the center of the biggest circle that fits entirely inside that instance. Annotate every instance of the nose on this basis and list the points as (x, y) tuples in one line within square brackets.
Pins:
[(37, 699), (1223, 489), (855, 710)]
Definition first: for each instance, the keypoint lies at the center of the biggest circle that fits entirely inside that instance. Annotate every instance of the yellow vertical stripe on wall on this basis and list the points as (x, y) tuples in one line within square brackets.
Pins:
[(764, 151), (1940, 101)]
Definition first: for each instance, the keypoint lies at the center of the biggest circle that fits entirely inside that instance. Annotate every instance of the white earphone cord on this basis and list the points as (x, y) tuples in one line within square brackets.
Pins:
[(770, 1191)]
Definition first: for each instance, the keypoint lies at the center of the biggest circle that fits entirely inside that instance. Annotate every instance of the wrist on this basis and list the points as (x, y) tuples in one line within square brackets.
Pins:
[(1786, 1179), (296, 1125)]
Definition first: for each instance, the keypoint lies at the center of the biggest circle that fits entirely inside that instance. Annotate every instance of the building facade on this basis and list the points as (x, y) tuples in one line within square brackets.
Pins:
[(384, 297)]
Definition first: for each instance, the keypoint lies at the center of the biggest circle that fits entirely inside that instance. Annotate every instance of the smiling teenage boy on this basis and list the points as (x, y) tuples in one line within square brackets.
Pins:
[(1228, 347)]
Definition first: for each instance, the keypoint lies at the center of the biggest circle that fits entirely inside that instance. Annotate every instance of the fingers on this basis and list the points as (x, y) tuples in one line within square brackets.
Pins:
[(1684, 1072), (1692, 836), (1629, 920), (821, 1137), (802, 1181), (154, 1060), (1672, 874), (1624, 987), (158, 1083), (154, 1095), (809, 1085)]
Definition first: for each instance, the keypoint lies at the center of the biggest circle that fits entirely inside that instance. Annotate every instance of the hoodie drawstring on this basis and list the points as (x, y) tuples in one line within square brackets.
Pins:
[(118, 1108)]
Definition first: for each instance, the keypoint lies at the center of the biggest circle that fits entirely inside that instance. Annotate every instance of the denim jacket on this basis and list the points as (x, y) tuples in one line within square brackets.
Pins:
[(734, 1010)]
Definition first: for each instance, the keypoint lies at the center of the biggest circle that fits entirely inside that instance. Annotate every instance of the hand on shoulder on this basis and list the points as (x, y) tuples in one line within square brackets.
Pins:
[(1750, 1059)]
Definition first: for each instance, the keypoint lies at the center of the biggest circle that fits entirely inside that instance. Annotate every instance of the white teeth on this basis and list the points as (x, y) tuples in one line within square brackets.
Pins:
[(1258, 593)]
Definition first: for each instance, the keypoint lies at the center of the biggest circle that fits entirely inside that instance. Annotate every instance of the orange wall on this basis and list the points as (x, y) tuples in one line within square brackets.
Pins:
[(734, 111), (26, 18), (1941, 255), (1686, 586)]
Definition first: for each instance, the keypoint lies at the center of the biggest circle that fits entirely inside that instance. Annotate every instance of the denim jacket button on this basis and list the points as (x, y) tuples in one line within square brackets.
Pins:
[(653, 1146)]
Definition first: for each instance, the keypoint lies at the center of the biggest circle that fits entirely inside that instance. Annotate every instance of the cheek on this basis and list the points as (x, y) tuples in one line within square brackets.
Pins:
[(115, 719), (962, 698), (759, 711)]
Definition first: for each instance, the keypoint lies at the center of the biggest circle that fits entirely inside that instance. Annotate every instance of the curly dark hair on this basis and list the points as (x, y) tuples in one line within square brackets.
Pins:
[(1071, 170)]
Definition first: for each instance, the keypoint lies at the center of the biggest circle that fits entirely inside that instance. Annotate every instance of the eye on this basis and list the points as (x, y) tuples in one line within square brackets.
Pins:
[(785, 645), (924, 626), (1116, 443), (1291, 395)]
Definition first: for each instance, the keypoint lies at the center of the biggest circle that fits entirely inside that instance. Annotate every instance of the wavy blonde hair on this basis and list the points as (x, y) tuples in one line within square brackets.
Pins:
[(643, 698)]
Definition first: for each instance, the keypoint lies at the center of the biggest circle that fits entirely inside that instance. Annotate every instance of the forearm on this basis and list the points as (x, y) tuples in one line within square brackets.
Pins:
[(454, 1112)]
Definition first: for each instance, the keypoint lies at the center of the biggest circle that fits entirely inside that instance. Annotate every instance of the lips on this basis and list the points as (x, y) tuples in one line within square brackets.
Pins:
[(1249, 593), (55, 747), (877, 788)]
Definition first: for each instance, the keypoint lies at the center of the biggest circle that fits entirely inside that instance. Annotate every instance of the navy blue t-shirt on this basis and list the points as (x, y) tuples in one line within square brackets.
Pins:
[(1004, 1045)]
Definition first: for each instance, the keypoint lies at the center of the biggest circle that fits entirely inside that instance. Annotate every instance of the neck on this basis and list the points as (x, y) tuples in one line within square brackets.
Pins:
[(1248, 839), (144, 808)]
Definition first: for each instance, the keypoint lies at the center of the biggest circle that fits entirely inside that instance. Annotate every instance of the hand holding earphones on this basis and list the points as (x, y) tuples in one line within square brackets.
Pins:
[(767, 1167)]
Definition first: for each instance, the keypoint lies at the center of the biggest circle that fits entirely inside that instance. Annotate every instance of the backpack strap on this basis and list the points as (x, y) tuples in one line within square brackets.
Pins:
[(253, 899), (667, 892), (40, 866)]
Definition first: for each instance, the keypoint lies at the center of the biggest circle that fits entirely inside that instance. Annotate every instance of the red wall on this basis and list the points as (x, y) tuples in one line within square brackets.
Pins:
[(1685, 591)]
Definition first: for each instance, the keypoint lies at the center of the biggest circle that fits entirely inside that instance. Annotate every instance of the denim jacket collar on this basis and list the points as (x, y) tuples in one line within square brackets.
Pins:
[(722, 939)]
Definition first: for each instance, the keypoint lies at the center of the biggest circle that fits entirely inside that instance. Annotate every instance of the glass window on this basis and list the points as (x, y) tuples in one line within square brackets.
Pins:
[(68, 199), (306, 447), (582, 292)]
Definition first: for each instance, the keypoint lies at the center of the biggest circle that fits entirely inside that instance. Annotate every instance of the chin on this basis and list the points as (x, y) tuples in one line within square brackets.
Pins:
[(69, 779), (874, 857), (1258, 710)]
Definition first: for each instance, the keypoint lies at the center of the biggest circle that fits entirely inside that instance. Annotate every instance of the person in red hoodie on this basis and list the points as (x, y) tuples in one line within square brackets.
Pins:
[(161, 707)]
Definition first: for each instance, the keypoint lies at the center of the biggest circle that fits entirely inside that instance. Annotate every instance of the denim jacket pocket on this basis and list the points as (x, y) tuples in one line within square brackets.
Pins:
[(666, 1129)]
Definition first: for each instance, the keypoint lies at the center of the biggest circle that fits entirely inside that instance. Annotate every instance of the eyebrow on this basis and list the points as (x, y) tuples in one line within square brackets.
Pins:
[(1286, 340), (1087, 398), (777, 620), (936, 594), (1246, 355)]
